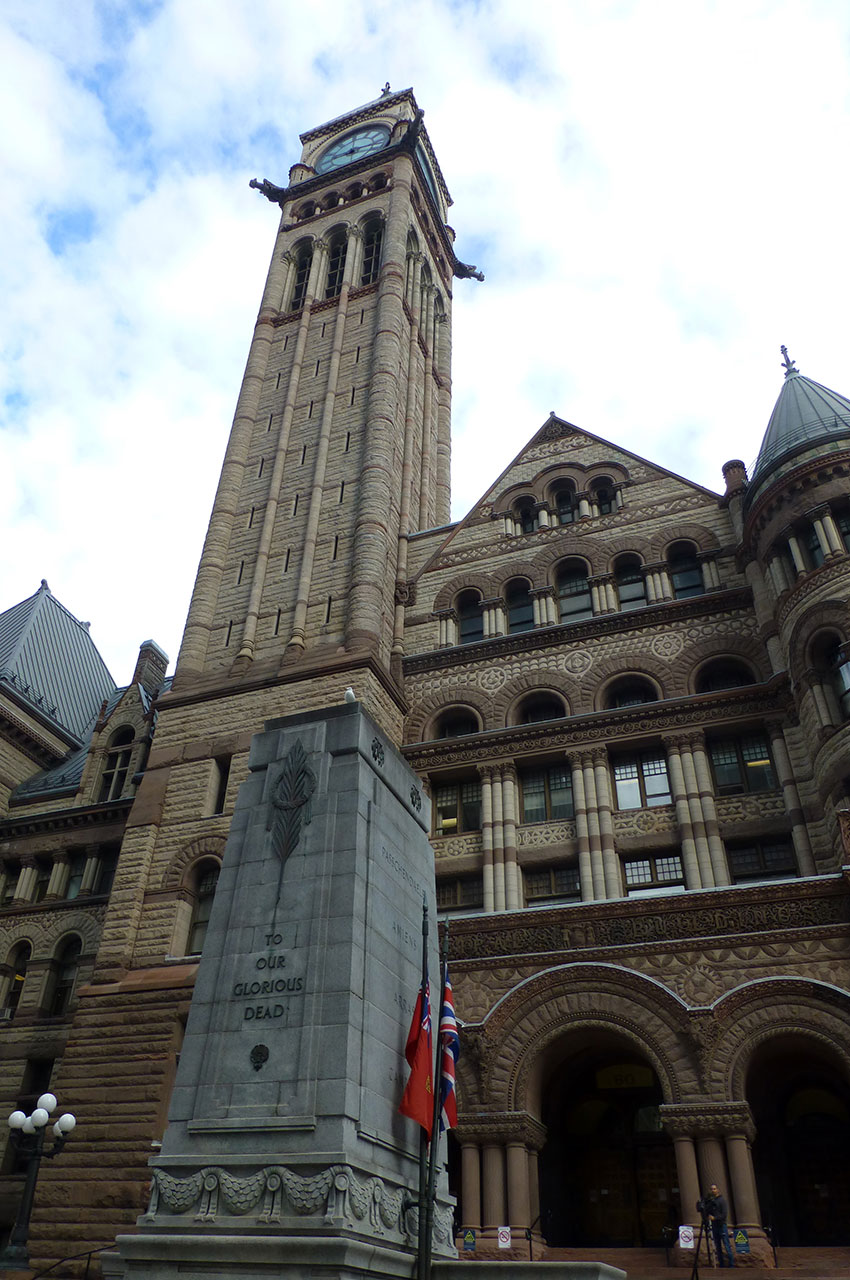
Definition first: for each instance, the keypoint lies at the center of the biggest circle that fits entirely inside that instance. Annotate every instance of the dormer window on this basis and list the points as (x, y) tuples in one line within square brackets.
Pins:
[(117, 766)]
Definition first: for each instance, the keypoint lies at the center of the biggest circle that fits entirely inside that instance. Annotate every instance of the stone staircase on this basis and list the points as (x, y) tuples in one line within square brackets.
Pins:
[(651, 1264)]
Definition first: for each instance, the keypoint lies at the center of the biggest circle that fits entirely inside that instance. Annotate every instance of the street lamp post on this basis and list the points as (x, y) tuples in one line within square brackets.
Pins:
[(28, 1137)]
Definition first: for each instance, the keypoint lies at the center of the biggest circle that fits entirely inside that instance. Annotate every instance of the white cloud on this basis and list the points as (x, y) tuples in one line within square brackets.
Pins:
[(655, 191)]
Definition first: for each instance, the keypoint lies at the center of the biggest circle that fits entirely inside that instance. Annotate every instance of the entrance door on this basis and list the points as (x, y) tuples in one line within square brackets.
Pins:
[(607, 1172), (801, 1107)]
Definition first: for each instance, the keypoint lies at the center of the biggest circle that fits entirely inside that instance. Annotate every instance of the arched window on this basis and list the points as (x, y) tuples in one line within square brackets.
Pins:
[(723, 673), (525, 515), (117, 765), (808, 536), (630, 691), (564, 499), (470, 620), (18, 961), (685, 573), (538, 707), (456, 723), (574, 598), (631, 587), (373, 239), (602, 491), (519, 607), (63, 978), (337, 252), (205, 880), (303, 262)]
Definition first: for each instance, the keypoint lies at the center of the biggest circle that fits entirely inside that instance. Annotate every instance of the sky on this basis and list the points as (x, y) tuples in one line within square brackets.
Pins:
[(656, 191)]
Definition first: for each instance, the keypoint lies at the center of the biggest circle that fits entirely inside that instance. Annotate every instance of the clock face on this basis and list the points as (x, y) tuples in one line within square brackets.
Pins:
[(354, 146)]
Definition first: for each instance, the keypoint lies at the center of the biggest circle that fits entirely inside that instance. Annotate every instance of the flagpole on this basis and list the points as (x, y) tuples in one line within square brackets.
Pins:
[(421, 1254), (438, 1103)]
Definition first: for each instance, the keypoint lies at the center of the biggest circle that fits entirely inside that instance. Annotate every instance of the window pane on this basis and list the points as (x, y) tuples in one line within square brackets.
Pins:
[(627, 784), (533, 797), (638, 872), (669, 868), (565, 880), (727, 769), (759, 770), (561, 793), (470, 800), (655, 780), (445, 807)]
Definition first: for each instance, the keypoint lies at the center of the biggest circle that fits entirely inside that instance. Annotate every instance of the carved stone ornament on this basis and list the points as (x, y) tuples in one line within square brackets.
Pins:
[(259, 1056), (291, 801), (335, 1194), (416, 799), (378, 752)]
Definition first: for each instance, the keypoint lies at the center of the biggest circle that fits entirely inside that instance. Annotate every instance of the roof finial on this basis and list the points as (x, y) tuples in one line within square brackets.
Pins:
[(385, 90), (788, 363)]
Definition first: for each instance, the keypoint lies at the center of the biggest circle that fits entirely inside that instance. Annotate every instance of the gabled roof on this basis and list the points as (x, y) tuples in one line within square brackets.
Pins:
[(50, 664), (805, 415)]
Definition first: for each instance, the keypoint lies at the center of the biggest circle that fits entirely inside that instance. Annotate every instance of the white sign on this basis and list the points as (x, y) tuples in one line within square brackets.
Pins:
[(686, 1237), (504, 1237)]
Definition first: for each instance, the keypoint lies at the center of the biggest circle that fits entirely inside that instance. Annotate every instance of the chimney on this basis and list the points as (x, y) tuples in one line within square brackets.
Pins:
[(151, 667)]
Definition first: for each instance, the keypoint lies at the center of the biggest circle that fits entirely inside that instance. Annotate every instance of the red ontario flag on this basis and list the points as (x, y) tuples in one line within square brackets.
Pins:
[(418, 1099)]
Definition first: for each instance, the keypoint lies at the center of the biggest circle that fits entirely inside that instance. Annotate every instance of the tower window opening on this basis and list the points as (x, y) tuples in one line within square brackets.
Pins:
[(372, 253), (519, 607), (336, 268), (241, 571), (362, 314), (303, 454), (206, 881), (277, 623), (285, 345), (251, 518), (302, 274), (357, 356), (575, 602), (323, 328), (260, 468), (277, 382), (685, 573), (316, 374), (229, 634), (353, 390), (631, 587), (328, 610), (295, 504), (310, 410), (269, 424), (341, 490), (221, 765), (347, 440), (286, 559), (336, 547)]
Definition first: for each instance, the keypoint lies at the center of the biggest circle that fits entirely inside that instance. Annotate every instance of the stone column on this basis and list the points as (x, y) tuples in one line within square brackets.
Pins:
[(428, 461), (498, 844), (470, 1178), (493, 1191), (582, 838), (690, 862), (583, 506), (89, 871), (831, 531), (708, 870), (716, 847), (60, 874), (791, 797), (743, 1180), (594, 839), (712, 1166), (820, 530), (487, 838), (797, 557), (25, 888), (610, 861), (710, 575), (513, 881), (519, 1207)]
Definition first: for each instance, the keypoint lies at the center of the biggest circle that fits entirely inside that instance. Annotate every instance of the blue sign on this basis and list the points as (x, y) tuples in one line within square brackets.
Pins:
[(741, 1240), (469, 1238)]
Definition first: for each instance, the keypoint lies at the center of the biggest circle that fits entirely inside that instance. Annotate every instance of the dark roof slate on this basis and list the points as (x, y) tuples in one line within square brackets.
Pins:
[(51, 664)]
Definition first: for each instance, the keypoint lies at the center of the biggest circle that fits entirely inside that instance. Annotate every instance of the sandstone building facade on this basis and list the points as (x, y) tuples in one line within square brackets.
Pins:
[(629, 698)]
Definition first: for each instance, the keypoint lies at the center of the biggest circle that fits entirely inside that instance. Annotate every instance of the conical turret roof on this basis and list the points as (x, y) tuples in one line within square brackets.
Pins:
[(806, 416)]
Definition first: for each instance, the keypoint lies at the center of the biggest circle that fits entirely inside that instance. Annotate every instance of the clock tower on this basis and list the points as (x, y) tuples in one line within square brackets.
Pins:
[(340, 446)]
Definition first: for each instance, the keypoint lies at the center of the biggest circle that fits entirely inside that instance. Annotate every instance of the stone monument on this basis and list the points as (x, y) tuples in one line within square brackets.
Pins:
[(285, 1153)]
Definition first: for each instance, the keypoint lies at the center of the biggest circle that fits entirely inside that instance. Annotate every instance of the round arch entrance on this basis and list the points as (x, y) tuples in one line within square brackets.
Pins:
[(800, 1099), (607, 1171)]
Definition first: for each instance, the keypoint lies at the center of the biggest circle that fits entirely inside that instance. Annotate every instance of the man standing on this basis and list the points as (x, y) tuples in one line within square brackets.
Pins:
[(718, 1212)]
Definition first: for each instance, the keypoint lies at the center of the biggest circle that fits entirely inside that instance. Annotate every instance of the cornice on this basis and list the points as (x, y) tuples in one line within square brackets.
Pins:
[(99, 815), (598, 728), (607, 931), (21, 734), (549, 637)]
